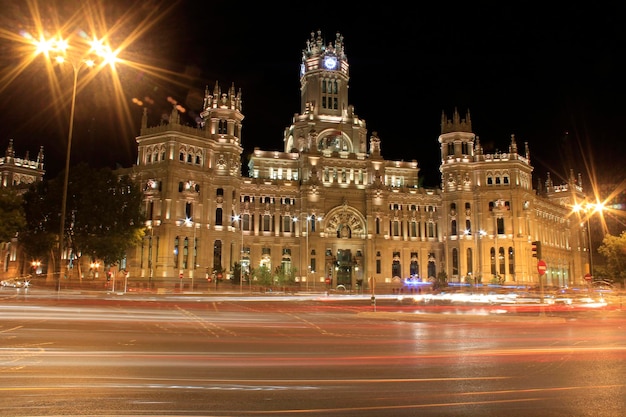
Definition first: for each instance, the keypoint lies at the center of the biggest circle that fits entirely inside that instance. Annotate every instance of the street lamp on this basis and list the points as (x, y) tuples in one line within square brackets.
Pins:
[(307, 254), (588, 210), (239, 219), (309, 219), (59, 47), (194, 254), (479, 236), (150, 254)]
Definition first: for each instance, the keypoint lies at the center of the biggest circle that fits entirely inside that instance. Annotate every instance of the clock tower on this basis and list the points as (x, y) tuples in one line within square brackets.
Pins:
[(324, 76), (326, 121)]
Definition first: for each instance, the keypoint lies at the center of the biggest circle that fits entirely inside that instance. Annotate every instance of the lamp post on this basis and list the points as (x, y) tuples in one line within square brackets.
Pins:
[(309, 219), (189, 222), (239, 219), (479, 237), (60, 47), (588, 210), (150, 254), (307, 253)]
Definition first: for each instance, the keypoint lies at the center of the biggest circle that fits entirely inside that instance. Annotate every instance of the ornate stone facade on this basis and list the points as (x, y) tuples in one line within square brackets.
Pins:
[(332, 207)]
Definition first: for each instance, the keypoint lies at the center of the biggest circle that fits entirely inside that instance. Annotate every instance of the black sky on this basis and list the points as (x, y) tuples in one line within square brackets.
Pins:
[(536, 73)]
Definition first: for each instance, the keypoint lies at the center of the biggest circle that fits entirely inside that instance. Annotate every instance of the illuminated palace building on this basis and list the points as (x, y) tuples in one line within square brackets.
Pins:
[(329, 206)]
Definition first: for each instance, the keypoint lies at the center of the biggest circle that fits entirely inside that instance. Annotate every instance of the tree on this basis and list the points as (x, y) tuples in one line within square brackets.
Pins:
[(284, 276), (441, 281), (42, 204), (613, 249), (106, 214), (12, 216), (263, 276), (237, 273), (103, 218)]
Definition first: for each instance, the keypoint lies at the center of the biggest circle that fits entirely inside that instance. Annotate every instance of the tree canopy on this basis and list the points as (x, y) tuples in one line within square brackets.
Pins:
[(613, 249), (104, 216), (12, 216)]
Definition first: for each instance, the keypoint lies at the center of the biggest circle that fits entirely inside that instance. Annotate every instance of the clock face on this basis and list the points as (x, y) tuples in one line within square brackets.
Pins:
[(330, 62)]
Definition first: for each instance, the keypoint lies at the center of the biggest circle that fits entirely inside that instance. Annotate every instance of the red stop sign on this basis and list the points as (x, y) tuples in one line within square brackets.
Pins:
[(542, 267), (588, 277)]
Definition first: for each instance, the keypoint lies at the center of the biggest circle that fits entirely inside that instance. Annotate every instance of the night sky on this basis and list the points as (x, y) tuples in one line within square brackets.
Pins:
[(554, 78)]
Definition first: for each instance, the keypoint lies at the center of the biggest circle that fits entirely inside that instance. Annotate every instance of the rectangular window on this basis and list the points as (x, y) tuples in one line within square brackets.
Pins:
[(267, 223), (287, 224), (395, 228), (185, 253), (500, 222)]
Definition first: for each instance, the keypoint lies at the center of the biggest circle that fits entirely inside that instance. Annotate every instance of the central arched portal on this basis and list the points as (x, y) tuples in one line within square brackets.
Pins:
[(345, 234)]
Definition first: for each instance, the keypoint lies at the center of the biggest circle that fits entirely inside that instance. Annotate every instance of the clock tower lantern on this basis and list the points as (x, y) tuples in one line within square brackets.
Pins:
[(326, 123), (324, 76)]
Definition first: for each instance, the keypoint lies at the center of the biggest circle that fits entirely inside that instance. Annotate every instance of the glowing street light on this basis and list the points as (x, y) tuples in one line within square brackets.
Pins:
[(309, 220), (78, 59), (190, 223), (239, 219), (588, 209)]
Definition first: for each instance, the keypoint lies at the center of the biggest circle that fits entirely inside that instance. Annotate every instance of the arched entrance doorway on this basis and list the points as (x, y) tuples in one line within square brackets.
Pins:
[(346, 235)]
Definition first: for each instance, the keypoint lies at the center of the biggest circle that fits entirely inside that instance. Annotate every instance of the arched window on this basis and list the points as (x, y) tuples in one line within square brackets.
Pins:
[(396, 266), (176, 243), (511, 261), (217, 255), (455, 261), (185, 253), (414, 267)]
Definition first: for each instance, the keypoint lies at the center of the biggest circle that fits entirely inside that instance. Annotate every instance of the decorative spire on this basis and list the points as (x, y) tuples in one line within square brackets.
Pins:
[(174, 116), (10, 152), (478, 149), (316, 47), (513, 146), (549, 183), (40, 157), (456, 124), (375, 144), (580, 180), (527, 150)]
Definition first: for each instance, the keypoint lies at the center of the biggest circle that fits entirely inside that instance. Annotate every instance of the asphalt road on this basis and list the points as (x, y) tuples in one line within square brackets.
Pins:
[(230, 355)]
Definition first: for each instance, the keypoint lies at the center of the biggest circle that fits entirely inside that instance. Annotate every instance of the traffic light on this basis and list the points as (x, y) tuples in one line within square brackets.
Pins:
[(109, 274), (536, 249)]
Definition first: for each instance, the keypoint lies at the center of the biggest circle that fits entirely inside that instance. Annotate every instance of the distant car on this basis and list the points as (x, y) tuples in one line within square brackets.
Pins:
[(15, 283)]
